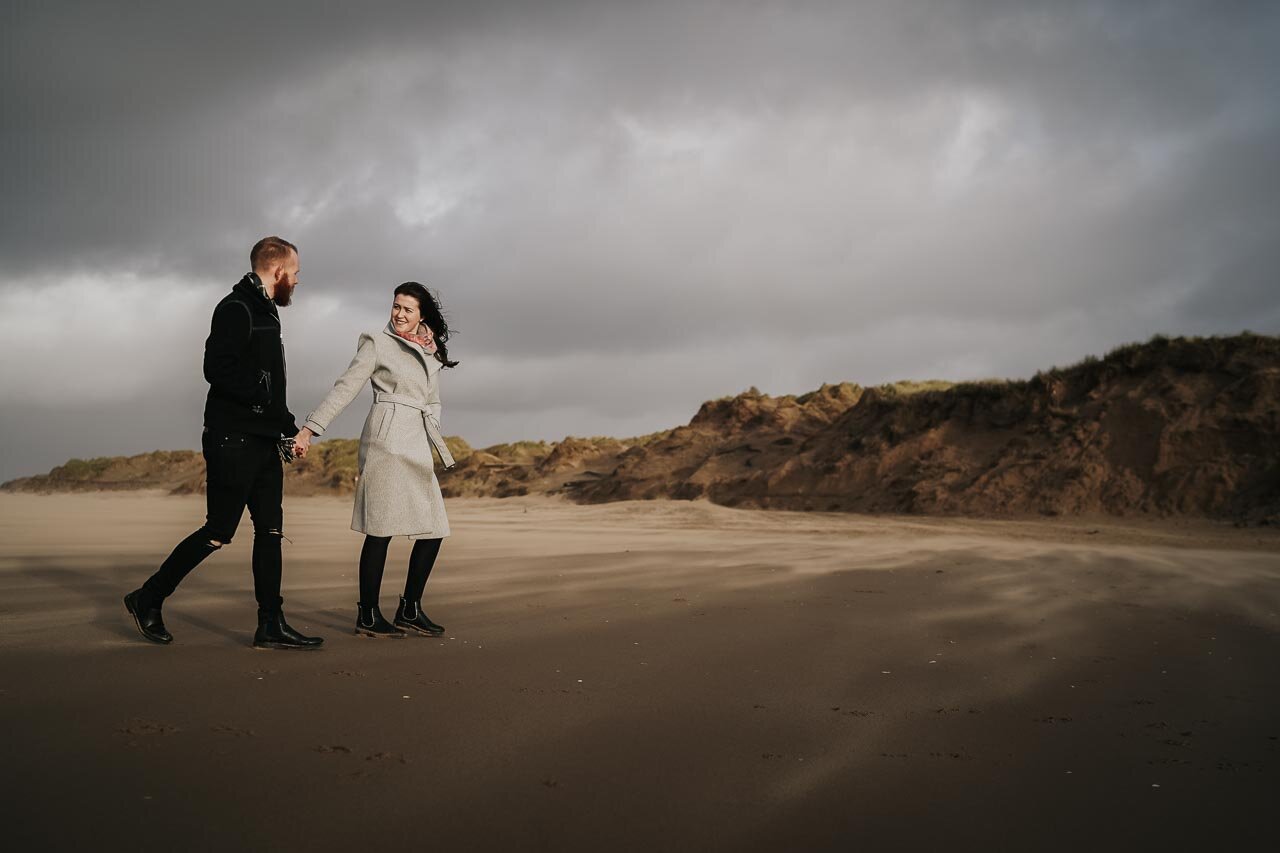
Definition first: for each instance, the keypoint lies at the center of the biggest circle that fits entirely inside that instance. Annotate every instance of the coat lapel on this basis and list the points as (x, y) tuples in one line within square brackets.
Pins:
[(426, 358)]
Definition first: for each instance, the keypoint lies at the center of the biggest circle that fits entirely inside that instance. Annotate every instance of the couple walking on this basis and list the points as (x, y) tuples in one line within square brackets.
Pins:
[(249, 433)]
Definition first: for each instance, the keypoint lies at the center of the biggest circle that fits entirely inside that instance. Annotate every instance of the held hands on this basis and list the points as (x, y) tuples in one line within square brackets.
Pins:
[(302, 443)]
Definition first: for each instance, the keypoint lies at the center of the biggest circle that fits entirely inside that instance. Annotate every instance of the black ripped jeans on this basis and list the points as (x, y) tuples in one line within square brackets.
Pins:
[(242, 470)]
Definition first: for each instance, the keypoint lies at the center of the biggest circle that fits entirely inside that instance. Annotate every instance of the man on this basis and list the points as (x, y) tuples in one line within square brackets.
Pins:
[(245, 418)]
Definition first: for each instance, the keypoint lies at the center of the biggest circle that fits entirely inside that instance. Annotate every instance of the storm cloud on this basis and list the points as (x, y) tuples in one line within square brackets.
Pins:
[(626, 208)]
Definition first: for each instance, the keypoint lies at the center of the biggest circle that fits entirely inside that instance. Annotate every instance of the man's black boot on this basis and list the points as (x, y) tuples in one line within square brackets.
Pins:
[(409, 615), (144, 607), (274, 633), (371, 623)]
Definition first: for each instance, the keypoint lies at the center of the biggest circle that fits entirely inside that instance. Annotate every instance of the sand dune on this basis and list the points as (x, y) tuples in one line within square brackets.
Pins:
[(656, 675), (1172, 427), (1182, 427)]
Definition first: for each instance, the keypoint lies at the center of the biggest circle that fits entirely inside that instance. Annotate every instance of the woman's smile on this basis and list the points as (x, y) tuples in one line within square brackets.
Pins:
[(406, 314)]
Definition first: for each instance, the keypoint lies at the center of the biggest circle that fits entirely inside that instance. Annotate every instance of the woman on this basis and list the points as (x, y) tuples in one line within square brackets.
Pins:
[(397, 493)]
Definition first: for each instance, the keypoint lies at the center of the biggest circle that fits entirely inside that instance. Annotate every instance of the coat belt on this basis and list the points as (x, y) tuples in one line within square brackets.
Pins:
[(428, 419)]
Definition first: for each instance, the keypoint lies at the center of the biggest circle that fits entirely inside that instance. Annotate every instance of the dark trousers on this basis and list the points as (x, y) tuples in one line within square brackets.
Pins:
[(242, 470)]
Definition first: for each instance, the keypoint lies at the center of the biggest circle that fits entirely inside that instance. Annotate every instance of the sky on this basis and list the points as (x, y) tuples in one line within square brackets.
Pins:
[(626, 208)]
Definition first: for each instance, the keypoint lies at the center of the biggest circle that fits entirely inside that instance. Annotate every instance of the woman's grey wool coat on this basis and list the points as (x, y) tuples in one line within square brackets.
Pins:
[(397, 493)]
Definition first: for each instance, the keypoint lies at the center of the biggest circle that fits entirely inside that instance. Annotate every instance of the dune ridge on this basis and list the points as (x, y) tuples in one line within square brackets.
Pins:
[(1170, 427)]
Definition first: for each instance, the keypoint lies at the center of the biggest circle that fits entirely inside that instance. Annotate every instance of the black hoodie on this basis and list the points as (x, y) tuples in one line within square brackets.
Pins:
[(244, 365)]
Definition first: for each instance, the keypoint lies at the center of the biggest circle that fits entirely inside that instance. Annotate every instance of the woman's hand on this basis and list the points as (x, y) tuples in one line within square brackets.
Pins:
[(302, 442)]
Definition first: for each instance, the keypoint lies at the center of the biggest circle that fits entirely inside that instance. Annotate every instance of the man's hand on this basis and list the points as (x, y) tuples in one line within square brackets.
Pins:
[(302, 443)]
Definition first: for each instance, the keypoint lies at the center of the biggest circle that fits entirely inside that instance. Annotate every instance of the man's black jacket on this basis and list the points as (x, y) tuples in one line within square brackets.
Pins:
[(244, 364)]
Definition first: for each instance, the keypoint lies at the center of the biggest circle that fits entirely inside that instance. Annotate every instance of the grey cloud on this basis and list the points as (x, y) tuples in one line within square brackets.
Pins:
[(137, 122), (718, 194)]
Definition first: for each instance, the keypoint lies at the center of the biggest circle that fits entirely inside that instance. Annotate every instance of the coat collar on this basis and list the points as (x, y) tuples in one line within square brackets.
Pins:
[(429, 361), (251, 287)]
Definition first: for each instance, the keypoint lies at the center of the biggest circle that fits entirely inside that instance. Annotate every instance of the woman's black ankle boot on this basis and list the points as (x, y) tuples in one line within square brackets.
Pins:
[(371, 623), (409, 615)]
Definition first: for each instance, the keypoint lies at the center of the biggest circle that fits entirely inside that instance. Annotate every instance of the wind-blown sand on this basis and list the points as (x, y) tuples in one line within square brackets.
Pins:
[(647, 676)]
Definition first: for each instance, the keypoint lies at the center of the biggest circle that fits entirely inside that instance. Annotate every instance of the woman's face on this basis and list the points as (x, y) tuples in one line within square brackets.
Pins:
[(405, 314)]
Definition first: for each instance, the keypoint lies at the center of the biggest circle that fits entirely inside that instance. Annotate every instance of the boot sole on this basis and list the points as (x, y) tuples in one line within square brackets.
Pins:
[(159, 641), (418, 630), (285, 648), (371, 635)]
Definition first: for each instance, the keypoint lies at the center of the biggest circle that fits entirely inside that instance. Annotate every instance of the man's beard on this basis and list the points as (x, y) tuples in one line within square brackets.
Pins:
[(283, 293)]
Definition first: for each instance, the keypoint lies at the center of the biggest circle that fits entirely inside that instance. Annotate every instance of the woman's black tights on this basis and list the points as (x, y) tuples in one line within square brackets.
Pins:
[(373, 558)]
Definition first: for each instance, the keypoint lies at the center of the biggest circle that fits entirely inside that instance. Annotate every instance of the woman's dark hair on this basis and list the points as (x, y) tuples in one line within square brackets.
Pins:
[(432, 317)]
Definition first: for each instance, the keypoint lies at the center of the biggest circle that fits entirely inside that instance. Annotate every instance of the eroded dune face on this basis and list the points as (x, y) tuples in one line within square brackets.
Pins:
[(1187, 427), (1184, 427)]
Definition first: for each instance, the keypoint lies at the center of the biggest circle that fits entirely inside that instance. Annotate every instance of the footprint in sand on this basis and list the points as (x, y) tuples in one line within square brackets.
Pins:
[(234, 731), (336, 748), (139, 726)]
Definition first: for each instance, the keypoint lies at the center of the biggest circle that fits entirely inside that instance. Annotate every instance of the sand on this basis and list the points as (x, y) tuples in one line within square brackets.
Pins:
[(647, 676)]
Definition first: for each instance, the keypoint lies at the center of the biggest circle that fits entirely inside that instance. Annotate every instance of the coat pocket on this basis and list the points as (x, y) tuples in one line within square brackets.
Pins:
[(384, 422), (262, 394)]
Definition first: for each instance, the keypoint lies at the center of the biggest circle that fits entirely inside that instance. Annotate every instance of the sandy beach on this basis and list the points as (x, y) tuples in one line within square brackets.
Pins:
[(647, 676)]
